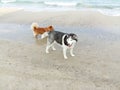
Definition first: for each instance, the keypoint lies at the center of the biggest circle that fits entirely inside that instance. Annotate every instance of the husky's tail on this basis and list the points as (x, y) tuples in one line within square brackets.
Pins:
[(34, 25), (44, 35)]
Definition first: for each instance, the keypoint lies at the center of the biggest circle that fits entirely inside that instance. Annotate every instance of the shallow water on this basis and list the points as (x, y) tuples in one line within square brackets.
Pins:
[(107, 7)]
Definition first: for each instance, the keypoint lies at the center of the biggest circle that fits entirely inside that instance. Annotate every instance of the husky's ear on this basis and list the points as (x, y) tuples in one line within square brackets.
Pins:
[(75, 36), (67, 36)]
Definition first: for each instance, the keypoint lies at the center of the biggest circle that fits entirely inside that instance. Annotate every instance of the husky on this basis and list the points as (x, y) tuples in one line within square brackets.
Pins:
[(67, 41)]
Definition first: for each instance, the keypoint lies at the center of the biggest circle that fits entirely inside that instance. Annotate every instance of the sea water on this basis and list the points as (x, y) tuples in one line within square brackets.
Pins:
[(107, 7)]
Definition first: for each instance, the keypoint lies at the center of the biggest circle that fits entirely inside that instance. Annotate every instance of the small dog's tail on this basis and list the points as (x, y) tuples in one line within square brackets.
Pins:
[(34, 25), (44, 35)]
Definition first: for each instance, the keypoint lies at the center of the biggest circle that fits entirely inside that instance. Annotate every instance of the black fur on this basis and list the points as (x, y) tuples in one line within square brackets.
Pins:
[(57, 36), (65, 40)]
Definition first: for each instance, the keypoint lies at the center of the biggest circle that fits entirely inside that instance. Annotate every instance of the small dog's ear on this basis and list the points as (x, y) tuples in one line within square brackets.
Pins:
[(50, 27)]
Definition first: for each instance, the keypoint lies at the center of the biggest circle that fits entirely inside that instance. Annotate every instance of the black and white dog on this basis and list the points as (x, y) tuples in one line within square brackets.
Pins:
[(67, 41)]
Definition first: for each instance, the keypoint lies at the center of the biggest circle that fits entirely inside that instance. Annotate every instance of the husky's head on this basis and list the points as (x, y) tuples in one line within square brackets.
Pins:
[(71, 39)]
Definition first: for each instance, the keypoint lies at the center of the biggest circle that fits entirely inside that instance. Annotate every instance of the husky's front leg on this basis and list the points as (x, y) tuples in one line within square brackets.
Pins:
[(71, 52), (64, 52)]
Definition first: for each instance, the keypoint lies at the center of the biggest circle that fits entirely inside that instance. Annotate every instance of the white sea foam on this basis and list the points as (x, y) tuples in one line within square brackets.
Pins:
[(111, 8), (7, 1), (110, 12), (61, 3)]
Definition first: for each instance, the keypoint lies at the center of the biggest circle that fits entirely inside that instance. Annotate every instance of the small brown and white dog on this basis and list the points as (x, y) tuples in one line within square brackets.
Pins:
[(40, 30)]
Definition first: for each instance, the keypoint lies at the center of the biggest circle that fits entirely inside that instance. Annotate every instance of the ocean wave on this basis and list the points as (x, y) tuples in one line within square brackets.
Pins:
[(7, 1), (22, 1), (61, 3), (56, 3), (107, 8), (110, 12)]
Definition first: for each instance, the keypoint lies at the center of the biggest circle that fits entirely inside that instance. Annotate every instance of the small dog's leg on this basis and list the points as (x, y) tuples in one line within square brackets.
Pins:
[(35, 35), (44, 35), (71, 52), (64, 53)]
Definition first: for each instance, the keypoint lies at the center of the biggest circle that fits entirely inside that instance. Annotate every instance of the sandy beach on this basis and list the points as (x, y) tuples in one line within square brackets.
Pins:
[(24, 65)]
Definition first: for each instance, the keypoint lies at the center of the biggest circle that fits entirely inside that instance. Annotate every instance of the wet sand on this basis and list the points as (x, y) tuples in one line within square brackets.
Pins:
[(24, 65)]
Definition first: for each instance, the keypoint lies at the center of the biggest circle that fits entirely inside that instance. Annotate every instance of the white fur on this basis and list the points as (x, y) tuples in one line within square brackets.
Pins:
[(34, 25), (70, 41), (44, 35)]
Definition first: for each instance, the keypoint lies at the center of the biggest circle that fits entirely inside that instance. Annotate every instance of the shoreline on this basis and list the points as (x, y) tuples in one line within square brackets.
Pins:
[(94, 18), (6, 10)]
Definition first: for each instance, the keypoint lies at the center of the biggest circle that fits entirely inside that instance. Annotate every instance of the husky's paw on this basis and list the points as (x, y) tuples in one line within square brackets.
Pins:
[(47, 52), (72, 55), (65, 57)]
